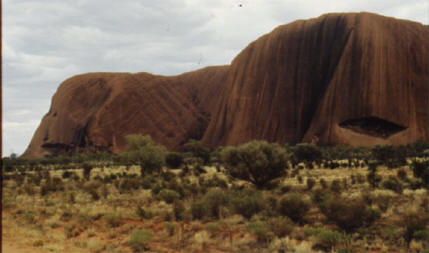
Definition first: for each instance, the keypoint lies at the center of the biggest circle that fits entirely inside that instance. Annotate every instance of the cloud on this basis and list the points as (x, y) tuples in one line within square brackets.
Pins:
[(14, 132), (45, 42)]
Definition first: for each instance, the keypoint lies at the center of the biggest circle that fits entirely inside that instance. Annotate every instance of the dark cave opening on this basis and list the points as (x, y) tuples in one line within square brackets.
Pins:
[(372, 126)]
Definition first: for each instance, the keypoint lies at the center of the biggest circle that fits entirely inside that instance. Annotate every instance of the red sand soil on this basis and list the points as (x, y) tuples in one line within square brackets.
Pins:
[(9, 245)]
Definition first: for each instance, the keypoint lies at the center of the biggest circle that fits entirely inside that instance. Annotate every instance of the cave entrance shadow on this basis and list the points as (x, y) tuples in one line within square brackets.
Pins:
[(373, 126)]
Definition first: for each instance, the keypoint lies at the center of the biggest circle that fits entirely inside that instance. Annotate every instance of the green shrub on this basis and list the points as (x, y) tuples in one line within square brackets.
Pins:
[(87, 168), (271, 205), (328, 239), (247, 203), (171, 228), (285, 188), (143, 214), (38, 243), (197, 150), (73, 230), (147, 182), (213, 227), (215, 181), (389, 155), (312, 231), (333, 165), (392, 183), (310, 183), (305, 152), (35, 178), (176, 186), (421, 170), (402, 174), (345, 184), (382, 201), (168, 196), (293, 206), (71, 197), (213, 200), (323, 183), (260, 229), (353, 179), (412, 221), (258, 162), (421, 235), (198, 210), (112, 220), (281, 226), (143, 151), (336, 186), (91, 188), (30, 217), (373, 178), (29, 189), (348, 214), (67, 174), (156, 188), (179, 210), (104, 191), (167, 175), (140, 239), (95, 246), (320, 195), (174, 160), (360, 179), (129, 184), (94, 194), (52, 185), (210, 204), (66, 215)]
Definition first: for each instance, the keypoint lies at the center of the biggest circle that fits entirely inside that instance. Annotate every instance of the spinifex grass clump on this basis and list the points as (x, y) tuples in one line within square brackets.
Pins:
[(112, 220), (140, 239), (327, 240), (171, 228), (260, 229), (168, 196)]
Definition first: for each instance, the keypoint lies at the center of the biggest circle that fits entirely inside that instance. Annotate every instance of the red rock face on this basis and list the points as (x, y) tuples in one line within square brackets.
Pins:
[(355, 79)]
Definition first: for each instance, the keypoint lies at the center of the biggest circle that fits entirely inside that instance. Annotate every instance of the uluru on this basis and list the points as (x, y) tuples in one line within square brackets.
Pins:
[(356, 79)]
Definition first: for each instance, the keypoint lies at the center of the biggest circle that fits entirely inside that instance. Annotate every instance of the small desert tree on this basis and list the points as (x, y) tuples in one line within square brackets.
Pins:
[(87, 167), (257, 161), (421, 170), (144, 152), (174, 160), (390, 156), (198, 150), (308, 153)]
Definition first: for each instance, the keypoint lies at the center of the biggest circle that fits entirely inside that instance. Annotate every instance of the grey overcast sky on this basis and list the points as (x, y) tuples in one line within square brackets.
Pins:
[(47, 41)]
